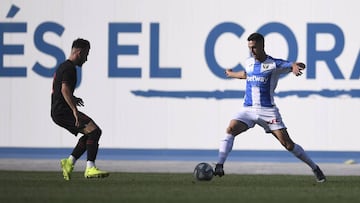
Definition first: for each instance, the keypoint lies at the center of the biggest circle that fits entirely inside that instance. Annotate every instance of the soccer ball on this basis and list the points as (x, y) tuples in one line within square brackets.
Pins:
[(203, 171)]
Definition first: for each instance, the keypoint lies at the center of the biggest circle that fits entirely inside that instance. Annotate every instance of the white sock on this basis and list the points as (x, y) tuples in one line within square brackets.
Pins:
[(225, 148), (72, 159), (90, 164), (299, 152)]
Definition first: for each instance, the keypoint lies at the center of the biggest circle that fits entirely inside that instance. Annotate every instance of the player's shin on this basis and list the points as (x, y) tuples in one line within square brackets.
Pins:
[(80, 148), (299, 152), (92, 144), (225, 148)]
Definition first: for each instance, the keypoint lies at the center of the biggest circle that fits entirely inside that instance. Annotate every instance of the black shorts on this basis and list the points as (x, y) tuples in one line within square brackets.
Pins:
[(67, 121)]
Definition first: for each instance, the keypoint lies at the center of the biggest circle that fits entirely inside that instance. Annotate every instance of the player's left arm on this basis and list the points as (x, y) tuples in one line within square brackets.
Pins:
[(69, 99), (297, 68)]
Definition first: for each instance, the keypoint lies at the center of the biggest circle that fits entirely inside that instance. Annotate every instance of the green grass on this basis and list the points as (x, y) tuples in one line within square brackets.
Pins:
[(31, 187)]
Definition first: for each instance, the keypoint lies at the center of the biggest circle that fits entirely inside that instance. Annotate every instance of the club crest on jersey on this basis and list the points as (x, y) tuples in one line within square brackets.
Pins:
[(267, 67)]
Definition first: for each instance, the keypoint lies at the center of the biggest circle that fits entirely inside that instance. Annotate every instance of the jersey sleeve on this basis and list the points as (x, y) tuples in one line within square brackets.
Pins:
[(66, 76), (283, 66), (69, 77)]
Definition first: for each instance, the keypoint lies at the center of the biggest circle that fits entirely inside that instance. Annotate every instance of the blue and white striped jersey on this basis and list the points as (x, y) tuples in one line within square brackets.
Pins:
[(262, 79)]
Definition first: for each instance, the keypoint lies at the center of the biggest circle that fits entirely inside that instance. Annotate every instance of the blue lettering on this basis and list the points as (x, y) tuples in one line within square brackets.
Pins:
[(213, 36), (47, 48), (355, 75), (115, 50), (155, 70), (11, 50), (286, 33), (327, 56), (288, 36)]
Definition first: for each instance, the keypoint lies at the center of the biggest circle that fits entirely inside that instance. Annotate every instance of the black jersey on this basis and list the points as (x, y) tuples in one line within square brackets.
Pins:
[(66, 72)]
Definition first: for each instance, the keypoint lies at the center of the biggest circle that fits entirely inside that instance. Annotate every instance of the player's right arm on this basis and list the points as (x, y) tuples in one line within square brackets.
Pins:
[(69, 98), (239, 75)]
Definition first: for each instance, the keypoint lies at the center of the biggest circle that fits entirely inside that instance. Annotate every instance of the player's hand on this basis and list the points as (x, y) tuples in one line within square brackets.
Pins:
[(228, 72), (79, 101), (297, 68)]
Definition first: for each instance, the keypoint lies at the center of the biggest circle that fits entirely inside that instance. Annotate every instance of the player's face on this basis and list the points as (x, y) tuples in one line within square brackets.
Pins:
[(256, 49), (83, 56)]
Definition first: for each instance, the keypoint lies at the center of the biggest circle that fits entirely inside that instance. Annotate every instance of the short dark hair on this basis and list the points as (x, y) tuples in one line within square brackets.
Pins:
[(81, 43), (257, 37)]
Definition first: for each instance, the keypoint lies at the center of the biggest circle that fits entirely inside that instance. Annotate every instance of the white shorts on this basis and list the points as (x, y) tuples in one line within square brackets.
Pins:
[(267, 117)]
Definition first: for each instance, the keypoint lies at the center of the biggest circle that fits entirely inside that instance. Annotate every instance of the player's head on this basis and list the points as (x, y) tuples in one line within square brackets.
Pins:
[(80, 50), (256, 44)]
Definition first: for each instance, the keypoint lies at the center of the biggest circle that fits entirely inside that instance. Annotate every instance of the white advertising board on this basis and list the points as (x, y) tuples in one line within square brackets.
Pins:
[(154, 76)]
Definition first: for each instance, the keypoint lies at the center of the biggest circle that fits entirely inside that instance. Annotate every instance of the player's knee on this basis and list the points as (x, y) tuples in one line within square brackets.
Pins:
[(98, 132), (90, 127), (232, 131), (229, 130), (236, 130), (95, 134), (288, 146)]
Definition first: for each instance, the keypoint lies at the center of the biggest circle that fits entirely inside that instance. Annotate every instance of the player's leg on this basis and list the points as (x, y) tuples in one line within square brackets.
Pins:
[(93, 134), (235, 127), (68, 164), (67, 121), (271, 120), (79, 149), (284, 138)]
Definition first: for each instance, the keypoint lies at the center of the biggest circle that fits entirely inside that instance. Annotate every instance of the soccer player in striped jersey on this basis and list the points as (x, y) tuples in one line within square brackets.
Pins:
[(262, 73)]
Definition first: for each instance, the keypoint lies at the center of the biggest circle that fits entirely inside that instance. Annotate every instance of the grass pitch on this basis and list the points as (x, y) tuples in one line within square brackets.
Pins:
[(31, 187)]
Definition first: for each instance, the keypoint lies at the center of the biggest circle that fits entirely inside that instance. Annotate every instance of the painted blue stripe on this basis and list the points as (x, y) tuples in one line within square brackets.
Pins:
[(180, 155), (236, 94)]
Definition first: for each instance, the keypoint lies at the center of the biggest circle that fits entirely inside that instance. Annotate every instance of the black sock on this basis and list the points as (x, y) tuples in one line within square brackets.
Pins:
[(92, 144), (80, 148)]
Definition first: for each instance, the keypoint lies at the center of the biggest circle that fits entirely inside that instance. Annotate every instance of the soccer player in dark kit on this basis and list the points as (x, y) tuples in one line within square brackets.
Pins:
[(64, 113)]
